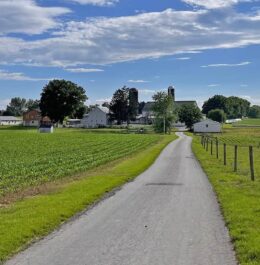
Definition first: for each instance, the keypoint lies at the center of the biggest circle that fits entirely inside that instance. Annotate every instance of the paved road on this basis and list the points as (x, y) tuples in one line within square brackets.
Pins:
[(168, 216)]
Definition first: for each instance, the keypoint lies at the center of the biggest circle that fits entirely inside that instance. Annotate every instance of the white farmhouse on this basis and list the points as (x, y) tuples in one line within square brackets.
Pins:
[(97, 117), (207, 126)]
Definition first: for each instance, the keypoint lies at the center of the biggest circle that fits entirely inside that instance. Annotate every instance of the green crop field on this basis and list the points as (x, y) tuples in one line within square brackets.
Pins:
[(238, 195), (28, 158)]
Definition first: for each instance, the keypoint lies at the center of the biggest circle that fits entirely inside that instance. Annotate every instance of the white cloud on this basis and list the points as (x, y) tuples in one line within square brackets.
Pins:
[(213, 4), (253, 100), (213, 85), (102, 100), (104, 40), (5, 75), (226, 65), (137, 81), (146, 91), (96, 2), (243, 85), (25, 16), (84, 70), (183, 58)]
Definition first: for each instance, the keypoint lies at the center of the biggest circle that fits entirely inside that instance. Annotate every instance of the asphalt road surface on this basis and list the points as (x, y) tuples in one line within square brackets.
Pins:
[(168, 216)]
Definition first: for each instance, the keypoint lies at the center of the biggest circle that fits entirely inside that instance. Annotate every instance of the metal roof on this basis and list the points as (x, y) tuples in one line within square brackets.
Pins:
[(9, 118)]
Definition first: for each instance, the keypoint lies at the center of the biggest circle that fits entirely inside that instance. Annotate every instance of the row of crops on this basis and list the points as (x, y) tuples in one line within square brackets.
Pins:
[(28, 158)]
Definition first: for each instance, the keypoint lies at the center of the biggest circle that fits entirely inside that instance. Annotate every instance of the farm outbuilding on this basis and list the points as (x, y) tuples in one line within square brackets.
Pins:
[(207, 126), (10, 120), (97, 117)]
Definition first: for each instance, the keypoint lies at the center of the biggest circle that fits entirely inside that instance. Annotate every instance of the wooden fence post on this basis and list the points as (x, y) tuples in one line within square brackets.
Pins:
[(235, 158), (217, 147), (225, 154), (251, 159), (201, 141), (207, 144), (211, 147)]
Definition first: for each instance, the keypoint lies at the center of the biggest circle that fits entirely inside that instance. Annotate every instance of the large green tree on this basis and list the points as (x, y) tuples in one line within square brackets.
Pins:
[(32, 104), (215, 102), (61, 98), (237, 107), (124, 105), (163, 111), (234, 107), (254, 112), (16, 107), (189, 114)]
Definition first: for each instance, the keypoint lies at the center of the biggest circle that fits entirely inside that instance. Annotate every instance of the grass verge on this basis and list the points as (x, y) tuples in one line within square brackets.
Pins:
[(27, 220), (240, 203)]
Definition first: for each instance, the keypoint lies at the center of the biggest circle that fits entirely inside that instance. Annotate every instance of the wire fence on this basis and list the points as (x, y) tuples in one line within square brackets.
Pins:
[(243, 159)]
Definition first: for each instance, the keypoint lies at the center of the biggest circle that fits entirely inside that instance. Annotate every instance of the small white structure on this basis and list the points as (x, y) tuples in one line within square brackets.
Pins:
[(10, 120), (44, 128), (207, 126), (97, 117)]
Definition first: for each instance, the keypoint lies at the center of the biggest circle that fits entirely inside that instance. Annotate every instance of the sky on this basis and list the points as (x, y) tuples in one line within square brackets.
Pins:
[(201, 47)]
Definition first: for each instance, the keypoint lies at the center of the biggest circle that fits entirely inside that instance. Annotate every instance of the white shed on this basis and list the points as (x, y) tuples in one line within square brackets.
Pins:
[(10, 120), (207, 126), (97, 117)]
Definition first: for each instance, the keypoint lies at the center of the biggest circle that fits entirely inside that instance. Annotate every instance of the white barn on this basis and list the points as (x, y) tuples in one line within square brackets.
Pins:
[(97, 117), (207, 126)]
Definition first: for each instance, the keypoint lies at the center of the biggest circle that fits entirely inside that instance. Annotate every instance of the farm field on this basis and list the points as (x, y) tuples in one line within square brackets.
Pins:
[(249, 122), (239, 197), (28, 158), (31, 217)]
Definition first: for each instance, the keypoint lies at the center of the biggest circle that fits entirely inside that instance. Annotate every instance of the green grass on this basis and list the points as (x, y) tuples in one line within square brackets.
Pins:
[(28, 158), (239, 197), (34, 217), (249, 122)]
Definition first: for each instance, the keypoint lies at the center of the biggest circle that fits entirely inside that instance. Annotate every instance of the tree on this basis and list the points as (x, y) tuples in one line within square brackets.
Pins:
[(119, 106), (254, 112), (189, 114), (140, 107), (124, 105), (16, 107), (163, 110), (79, 112), (217, 115), (106, 104), (61, 98), (32, 104), (216, 102), (237, 107)]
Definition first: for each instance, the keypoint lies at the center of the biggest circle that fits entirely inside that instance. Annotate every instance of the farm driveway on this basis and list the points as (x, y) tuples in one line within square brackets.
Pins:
[(168, 216)]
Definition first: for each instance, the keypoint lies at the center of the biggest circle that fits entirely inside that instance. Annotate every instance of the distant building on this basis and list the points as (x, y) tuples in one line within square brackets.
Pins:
[(33, 118), (97, 117), (207, 126), (148, 113), (10, 121), (74, 123)]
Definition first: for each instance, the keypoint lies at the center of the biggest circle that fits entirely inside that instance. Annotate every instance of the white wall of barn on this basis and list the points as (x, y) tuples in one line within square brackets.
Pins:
[(95, 118)]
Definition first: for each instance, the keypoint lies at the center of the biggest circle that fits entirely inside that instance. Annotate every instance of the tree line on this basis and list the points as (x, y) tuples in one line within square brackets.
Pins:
[(229, 108)]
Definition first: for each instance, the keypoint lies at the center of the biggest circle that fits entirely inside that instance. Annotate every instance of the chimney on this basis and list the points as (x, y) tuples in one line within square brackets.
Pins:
[(171, 92)]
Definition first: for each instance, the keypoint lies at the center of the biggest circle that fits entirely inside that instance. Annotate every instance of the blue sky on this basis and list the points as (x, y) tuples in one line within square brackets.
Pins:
[(202, 47)]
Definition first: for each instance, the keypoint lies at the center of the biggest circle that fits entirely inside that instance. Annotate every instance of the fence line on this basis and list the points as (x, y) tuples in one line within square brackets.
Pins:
[(209, 141)]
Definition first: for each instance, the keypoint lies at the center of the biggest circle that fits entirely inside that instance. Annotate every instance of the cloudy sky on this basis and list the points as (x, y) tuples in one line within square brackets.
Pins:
[(202, 47)]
